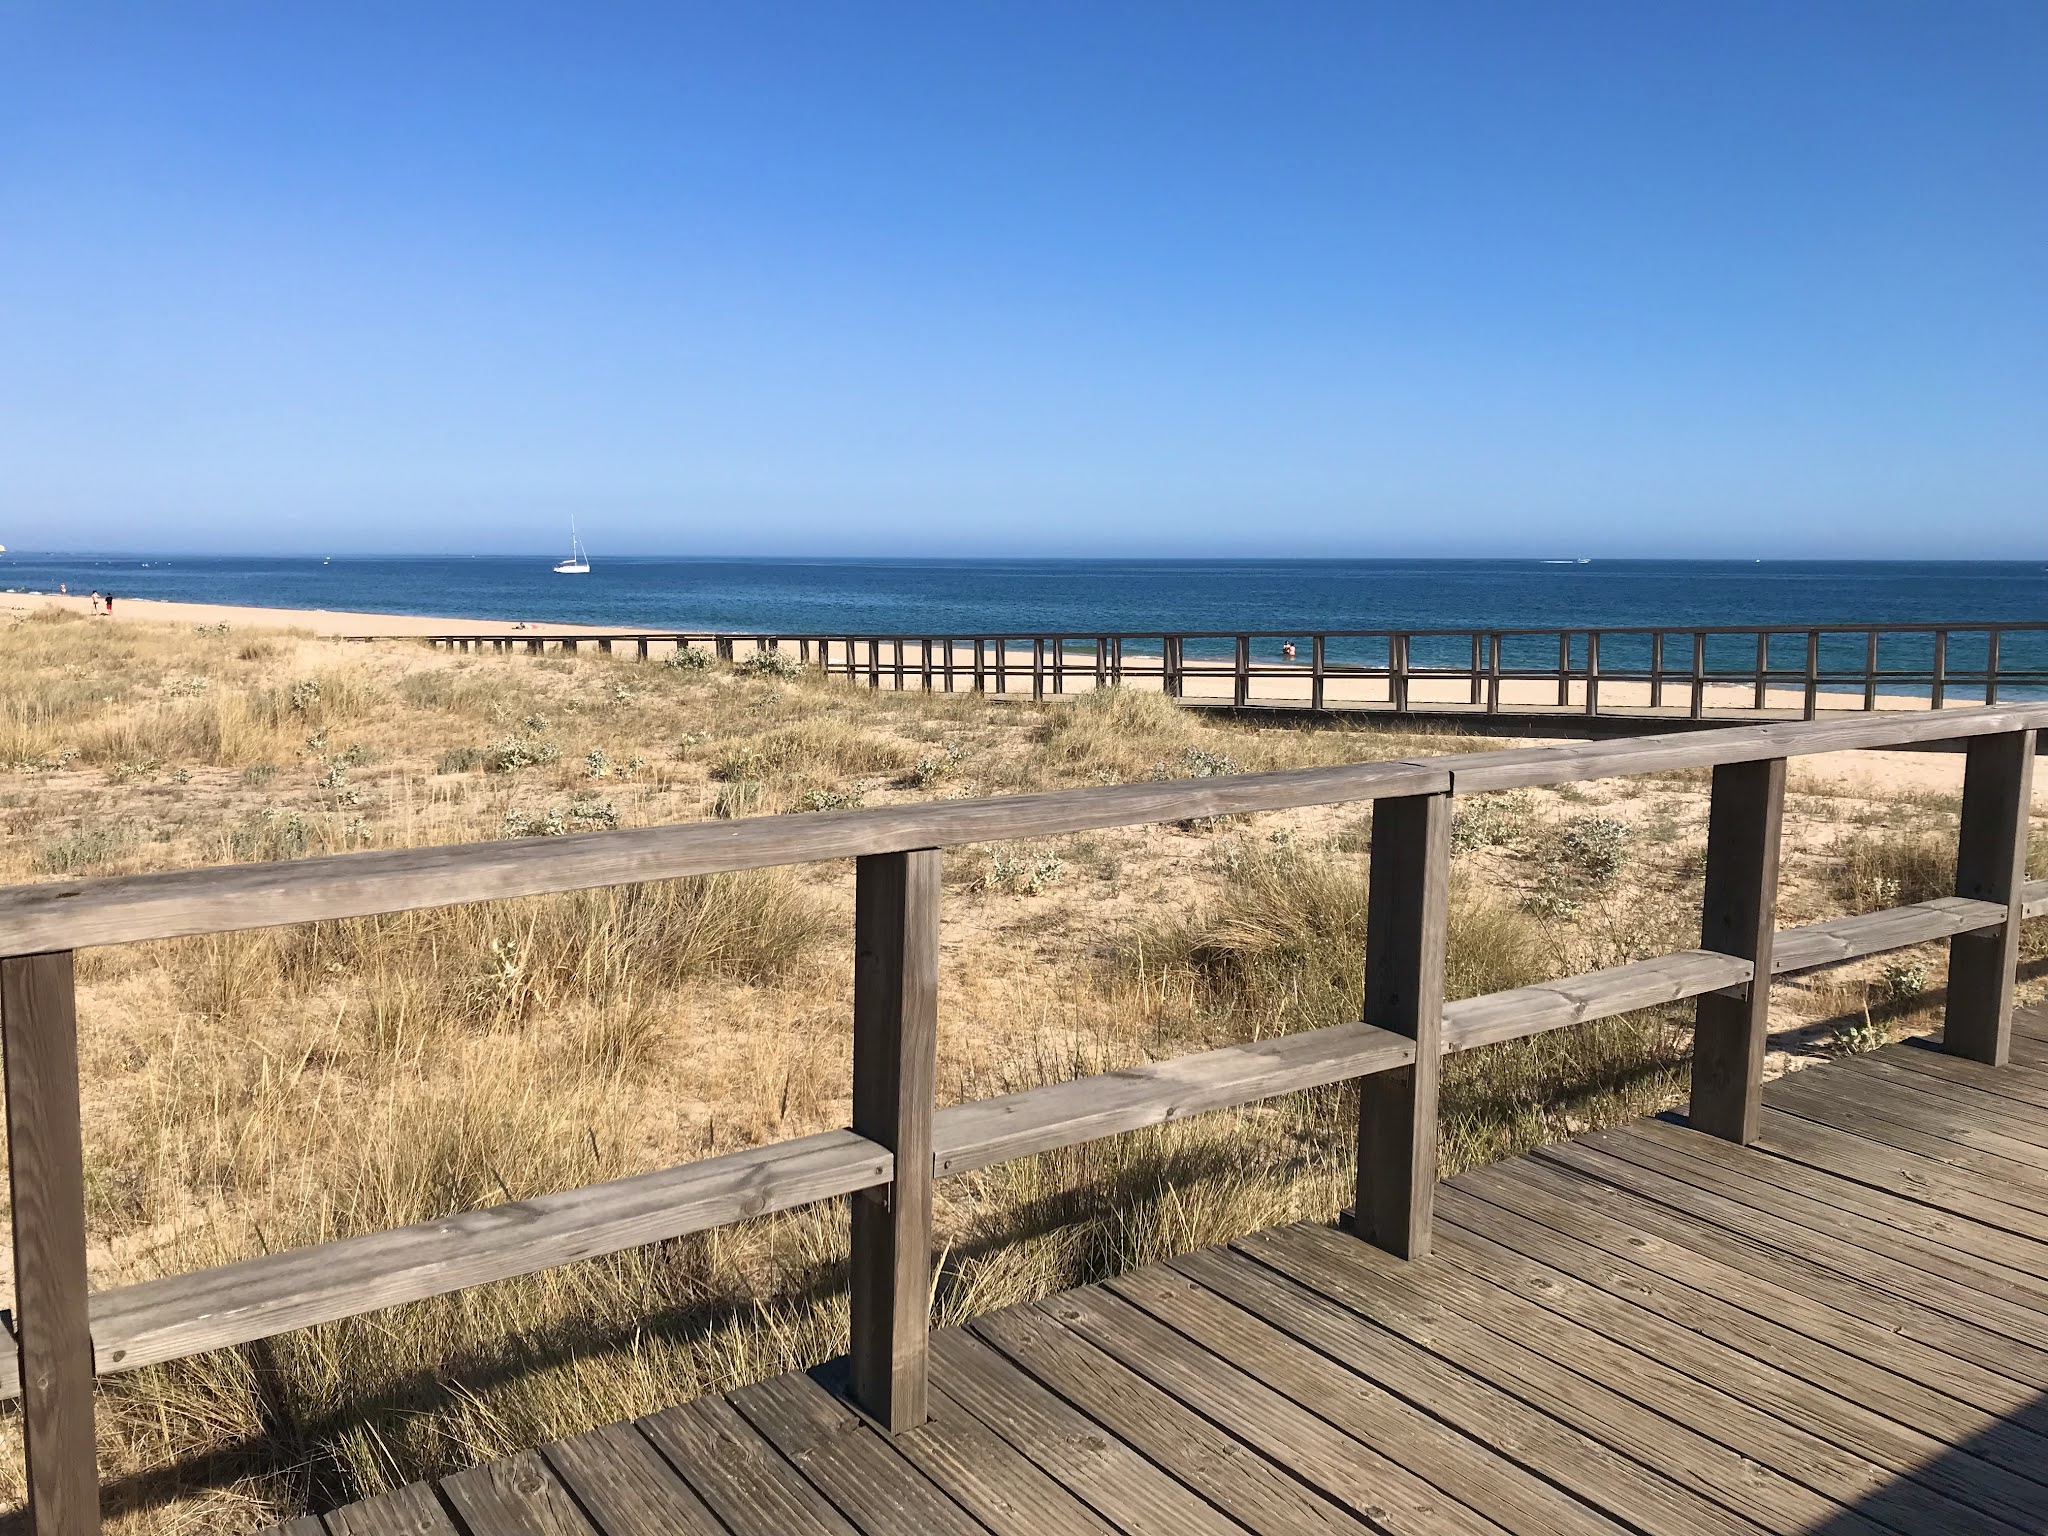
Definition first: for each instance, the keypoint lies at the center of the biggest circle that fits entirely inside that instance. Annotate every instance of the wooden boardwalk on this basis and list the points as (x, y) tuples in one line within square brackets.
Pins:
[(1843, 1328)]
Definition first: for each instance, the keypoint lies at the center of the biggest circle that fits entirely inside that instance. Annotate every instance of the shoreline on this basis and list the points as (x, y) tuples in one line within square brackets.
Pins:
[(327, 623)]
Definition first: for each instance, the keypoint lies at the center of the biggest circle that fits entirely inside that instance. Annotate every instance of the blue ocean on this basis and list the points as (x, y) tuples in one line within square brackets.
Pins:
[(1080, 596)]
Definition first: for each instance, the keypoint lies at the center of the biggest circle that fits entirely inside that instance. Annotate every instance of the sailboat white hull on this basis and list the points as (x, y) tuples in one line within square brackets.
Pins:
[(573, 568)]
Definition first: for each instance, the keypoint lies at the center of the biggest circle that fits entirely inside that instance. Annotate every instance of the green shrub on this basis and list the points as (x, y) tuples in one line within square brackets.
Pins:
[(770, 664)]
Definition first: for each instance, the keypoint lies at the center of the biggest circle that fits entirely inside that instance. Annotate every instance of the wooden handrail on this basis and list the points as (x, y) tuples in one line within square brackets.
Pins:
[(169, 1319), (130, 909)]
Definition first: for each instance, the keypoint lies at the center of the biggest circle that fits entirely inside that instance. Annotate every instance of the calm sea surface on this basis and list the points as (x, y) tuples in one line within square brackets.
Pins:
[(1087, 597)]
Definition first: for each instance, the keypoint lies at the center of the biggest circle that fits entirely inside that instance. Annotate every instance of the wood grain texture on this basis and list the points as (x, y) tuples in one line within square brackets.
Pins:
[(409, 1511), (519, 1496), (1806, 1341), (1760, 1285), (1879, 1462), (975, 1135), (628, 1486), (1351, 1472), (1407, 916), (1073, 1450), (1868, 933), (1518, 1432), (1498, 1016), (46, 1179), (1738, 917), (847, 1459), (130, 909), (166, 1319), (740, 1476), (1197, 1453), (1594, 1406), (991, 1479), (1991, 865), (895, 1066), (1372, 1416)]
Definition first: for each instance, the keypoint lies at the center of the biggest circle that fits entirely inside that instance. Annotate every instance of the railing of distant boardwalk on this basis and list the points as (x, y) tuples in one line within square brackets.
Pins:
[(1705, 673), (898, 1143)]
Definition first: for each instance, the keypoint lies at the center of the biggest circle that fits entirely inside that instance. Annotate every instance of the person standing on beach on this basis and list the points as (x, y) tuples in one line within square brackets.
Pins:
[(109, 601), (95, 602)]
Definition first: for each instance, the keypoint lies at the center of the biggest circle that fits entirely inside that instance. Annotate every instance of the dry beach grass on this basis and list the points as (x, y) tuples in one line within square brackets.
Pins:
[(259, 1091)]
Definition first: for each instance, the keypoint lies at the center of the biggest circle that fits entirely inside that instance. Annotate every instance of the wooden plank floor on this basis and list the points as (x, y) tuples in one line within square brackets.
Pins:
[(1843, 1329)]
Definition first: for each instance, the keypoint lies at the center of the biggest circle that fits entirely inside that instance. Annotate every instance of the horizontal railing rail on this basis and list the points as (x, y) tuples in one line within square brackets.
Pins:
[(1696, 671), (900, 1141)]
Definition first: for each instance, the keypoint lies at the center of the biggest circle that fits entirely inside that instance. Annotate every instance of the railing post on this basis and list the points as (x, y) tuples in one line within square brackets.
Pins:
[(1698, 708), (1592, 671), (1739, 917), (1564, 668), (640, 649), (924, 661), (1478, 664), (1991, 667), (895, 1048), (1657, 669), (721, 647), (1116, 661), (1038, 667), (1938, 681), (1493, 645), (1169, 666), (46, 1177), (1407, 912), (1101, 661), (1812, 702), (1397, 657), (1991, 865), (1870, 671), (1316, 663), (1763, 669), (1241, 689), (1059, 664)]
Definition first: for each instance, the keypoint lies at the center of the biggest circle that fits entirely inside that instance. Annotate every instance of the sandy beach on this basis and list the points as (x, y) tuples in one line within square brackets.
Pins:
[(313, 621)]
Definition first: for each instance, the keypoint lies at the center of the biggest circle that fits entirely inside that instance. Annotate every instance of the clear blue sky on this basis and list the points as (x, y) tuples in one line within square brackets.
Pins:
[(1625, 277)]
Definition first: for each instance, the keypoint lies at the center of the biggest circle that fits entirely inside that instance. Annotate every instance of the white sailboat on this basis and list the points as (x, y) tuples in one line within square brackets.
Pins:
[(578, 563)]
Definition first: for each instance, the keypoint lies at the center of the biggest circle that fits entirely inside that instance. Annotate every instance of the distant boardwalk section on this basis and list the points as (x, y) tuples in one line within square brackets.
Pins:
[(1680, 675)]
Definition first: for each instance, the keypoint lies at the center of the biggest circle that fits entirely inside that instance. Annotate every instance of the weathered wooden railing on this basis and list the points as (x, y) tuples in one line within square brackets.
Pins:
[(1697, 673), (899, 1143)]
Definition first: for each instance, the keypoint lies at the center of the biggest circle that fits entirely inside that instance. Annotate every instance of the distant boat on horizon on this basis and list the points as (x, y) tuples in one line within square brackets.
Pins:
[(578, 563)]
